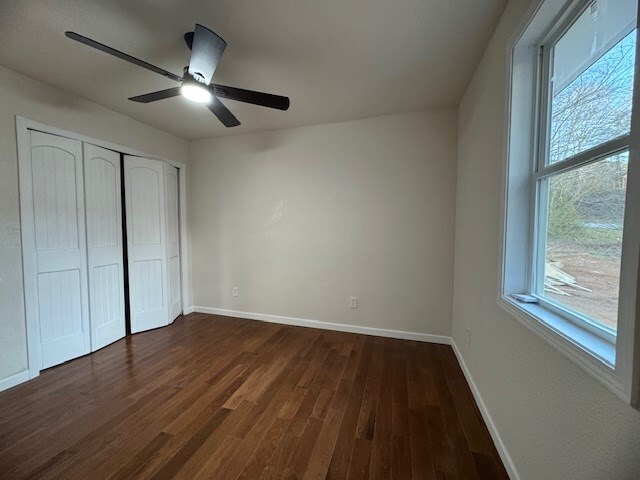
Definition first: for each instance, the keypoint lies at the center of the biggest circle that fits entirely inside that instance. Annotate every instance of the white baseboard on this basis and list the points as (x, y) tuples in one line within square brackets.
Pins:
[(340, 327), (187, 310), (497, 440), (14, 380)]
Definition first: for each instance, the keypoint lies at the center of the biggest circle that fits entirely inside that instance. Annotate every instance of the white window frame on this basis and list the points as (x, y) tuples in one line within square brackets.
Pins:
[(613, 359)]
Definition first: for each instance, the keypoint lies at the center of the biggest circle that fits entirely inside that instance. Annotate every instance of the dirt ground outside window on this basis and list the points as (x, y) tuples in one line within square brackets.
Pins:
[(599, 274)]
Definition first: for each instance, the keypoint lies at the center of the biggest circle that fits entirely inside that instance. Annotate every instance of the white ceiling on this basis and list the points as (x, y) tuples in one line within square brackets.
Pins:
[(336, 59)]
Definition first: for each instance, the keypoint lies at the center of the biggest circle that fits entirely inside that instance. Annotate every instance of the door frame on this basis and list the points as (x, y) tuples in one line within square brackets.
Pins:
[(23, 125)]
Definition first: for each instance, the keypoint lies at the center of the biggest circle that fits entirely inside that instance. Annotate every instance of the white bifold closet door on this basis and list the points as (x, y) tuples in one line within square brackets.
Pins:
[(173, 240), (104, 245), (72, 232), (55, 250), (146, 243)]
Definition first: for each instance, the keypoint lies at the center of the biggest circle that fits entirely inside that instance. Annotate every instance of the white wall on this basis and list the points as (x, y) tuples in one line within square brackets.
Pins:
[(21, 95), (557, 421), (302, 219)]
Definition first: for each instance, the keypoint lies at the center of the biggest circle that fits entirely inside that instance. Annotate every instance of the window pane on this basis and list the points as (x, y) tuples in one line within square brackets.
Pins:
[(584, 238), (593, 67)]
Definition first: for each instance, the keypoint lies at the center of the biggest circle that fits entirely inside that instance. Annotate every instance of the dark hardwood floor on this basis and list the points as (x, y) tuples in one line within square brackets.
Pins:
[(225, 398)]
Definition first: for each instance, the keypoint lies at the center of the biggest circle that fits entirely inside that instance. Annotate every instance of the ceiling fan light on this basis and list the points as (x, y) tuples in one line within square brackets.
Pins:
[(196, 93)]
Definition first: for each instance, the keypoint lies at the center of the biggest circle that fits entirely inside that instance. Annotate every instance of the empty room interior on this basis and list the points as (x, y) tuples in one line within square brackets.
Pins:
[(298, 239)]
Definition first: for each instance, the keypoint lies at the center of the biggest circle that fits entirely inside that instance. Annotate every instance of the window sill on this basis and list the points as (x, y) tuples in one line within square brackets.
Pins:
[(587, 350)]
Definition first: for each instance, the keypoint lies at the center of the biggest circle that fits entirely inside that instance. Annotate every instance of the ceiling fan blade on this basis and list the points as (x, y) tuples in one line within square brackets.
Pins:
[(249, 96), (154, 96), (117, 53), (224, 115), (188, 39), (206, 50)]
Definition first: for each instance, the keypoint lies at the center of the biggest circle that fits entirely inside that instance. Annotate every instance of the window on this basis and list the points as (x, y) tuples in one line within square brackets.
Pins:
[(582, 169), (571, 235)]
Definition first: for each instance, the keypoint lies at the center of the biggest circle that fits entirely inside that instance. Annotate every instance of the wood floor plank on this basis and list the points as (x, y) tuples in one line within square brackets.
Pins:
[(140, 459), (444, 463), (271, 403), (325, 445), (297, 464), (226, 398), (360, 459), (367, 415), (381, 449), (339, 465), (422, 466), (463, 457)]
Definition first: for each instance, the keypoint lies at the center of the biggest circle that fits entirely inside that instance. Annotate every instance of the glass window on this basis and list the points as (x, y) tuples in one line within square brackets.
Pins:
[(583, 238), (581, 191), (595, 106)]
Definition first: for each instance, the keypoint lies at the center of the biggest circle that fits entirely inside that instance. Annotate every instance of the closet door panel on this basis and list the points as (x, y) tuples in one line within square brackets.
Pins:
[(105, 246), (146, 242), (173, 241), (60, 248)]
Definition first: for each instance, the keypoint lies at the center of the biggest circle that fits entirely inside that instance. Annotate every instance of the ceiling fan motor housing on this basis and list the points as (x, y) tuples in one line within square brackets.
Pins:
[(197, 77)]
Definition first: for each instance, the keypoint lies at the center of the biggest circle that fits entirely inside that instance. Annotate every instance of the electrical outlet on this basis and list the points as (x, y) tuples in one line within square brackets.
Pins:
[(353, 302), (235, 291)]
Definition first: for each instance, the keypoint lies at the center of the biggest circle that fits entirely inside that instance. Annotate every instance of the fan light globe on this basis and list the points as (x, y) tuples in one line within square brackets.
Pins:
[(196, 93)]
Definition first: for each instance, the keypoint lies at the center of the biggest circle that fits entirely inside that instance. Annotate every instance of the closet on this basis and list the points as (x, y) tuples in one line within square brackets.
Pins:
[(73, 230)]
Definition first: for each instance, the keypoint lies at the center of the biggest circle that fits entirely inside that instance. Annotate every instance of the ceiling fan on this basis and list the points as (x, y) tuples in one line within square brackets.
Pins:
[(195, 84)]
